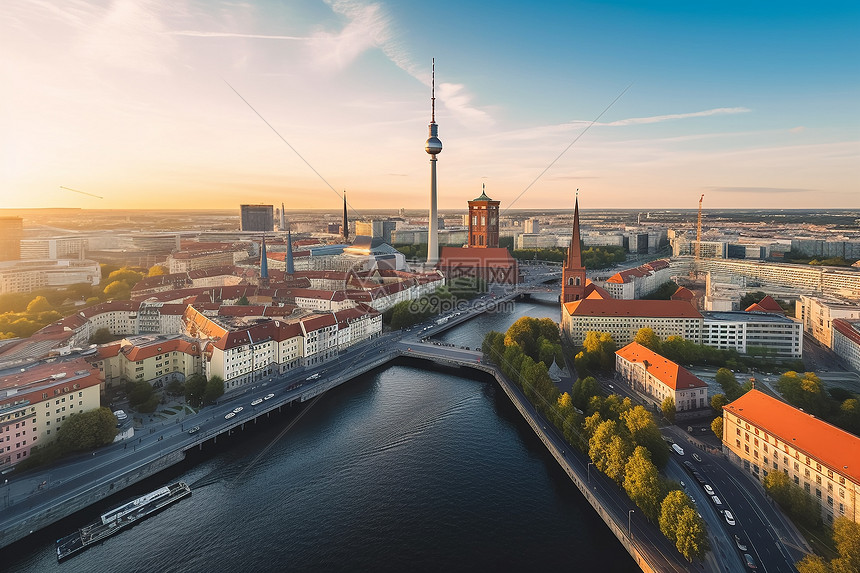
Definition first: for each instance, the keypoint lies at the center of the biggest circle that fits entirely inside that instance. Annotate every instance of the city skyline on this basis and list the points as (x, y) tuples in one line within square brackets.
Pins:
[(131, 102)]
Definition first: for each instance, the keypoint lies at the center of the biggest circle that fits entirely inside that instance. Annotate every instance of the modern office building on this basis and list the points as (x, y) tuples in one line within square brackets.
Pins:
[(11, 231), (54, 248), (27, 276), (762, 434), (257, 218), (755, 333)]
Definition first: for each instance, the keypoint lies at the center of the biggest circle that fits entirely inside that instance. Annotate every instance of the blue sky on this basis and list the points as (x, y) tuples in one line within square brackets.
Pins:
[(754, 104)]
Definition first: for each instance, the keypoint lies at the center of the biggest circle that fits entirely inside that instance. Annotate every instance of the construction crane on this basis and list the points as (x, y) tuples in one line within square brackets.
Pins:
[(699, 230)]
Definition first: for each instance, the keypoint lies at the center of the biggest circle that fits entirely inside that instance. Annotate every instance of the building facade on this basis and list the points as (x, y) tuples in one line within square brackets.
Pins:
[(623, 319), (762, 434), (35, 403), (754, 333), (257, 218), (11, 232), (659, 378), (818, 313), (483, 222), (846, 341)]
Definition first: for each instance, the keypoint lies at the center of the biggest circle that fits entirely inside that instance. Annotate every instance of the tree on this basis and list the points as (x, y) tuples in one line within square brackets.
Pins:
[(101, 336), (214, 389), (156, 270), (846, 535), (644, 432), (691, 536), (117, 290), (87, 430), (139, 392), (195, 388), (38, 304), (243, 301), (668, 409), (717, 403), (675, 502), (582, 391), (727, 381), (642, 482), (647, 338), (608, 450), (812, 564), (175, 388), (804, 392), (717, 427)]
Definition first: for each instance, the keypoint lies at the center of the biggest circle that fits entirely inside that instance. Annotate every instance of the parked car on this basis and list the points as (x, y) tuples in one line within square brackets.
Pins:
[(708, 489), (678, 449), (697, 457), (716, 500), (741, 543), (689, 465), (749, 561), (730, 519)]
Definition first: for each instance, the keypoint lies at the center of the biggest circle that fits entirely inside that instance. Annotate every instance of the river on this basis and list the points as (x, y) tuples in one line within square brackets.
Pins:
[(402, 469)]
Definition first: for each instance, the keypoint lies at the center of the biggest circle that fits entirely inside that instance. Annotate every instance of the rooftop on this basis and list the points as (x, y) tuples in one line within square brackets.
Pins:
[(637, 308), (747, 316), (829, 445), (669, 373)]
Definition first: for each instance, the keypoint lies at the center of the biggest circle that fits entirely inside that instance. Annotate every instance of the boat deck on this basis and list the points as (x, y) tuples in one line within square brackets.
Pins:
[(98, 531)]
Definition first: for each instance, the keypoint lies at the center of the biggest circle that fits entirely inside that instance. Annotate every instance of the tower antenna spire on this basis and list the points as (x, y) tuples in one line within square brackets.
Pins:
[(433, 91)]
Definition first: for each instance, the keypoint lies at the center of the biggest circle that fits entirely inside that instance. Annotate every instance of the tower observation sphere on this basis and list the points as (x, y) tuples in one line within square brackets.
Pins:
[(433, 145)]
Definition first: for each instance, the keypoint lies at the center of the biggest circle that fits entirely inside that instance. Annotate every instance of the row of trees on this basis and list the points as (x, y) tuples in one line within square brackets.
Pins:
[(846, 536), (200, 391), (22, 314), (663, 292), (597, 257), (623, 441), (409, 312)]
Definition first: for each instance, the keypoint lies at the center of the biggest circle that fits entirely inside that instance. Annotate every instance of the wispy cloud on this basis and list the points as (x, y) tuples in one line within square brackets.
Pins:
[(669, 117), (204, 34)]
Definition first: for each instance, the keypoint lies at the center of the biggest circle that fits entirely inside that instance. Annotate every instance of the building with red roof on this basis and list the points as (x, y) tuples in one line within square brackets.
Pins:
[(683, 293), (36, 402), (762, 434), (492, 265), (623, 319), (846, 341), (658, 378), (639, 281)]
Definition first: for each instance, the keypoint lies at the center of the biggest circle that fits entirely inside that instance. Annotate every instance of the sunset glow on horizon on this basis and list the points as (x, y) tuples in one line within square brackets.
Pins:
[(753, 105)]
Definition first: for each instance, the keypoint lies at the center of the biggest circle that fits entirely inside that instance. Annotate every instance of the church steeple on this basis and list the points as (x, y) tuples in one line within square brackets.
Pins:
[(573, 274), (264, 263)]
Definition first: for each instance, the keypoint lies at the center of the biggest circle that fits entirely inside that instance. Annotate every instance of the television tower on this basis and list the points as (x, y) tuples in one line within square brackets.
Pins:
[(433, 147)]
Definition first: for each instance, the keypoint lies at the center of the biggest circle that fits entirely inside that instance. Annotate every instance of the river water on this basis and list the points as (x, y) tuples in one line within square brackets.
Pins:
[(402, 469)]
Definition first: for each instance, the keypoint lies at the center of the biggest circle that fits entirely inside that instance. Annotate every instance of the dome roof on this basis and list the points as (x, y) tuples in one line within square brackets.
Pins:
[(483, 197)]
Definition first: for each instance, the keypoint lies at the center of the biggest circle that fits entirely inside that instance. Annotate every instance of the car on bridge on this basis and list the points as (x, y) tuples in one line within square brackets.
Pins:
[(268, 396), (237, 410), (230, 415), (194, 430), (257, 402)]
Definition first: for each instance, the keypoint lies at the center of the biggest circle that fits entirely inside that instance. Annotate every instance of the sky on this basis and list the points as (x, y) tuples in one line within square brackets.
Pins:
[(204, 104)]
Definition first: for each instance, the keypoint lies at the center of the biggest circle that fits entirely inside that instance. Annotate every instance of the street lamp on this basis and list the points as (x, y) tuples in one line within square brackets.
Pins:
[(588, 469), (629, 514)]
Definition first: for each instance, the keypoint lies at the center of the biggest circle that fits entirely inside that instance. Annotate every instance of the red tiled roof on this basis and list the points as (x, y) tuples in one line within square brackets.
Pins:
[(683, 293), (770, 305), (134, 353), (847, 329), (108, 351), (669, 373), (755, 307), (643, 308), (484, 258), (829, 445)]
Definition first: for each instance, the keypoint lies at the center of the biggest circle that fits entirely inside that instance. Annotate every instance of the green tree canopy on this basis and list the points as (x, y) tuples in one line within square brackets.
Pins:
[(644, 432), (101, 336), (87, 430), (717, 427), (195, 389), (717, 403), (38, 304), (214, 389), (609, 450), (692, 535), (642, 482), (804, 392), (668, 409), (675, 502), (727, 381), (117, 290), (647, 338), (156, 270)]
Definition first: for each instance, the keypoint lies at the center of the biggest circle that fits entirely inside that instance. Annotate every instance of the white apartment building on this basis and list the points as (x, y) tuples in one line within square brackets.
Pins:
[(638, 282), (27, 276), (818, 313), (762, 435), (832, 281), (756, 333), (846, 341), (623, 319)]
